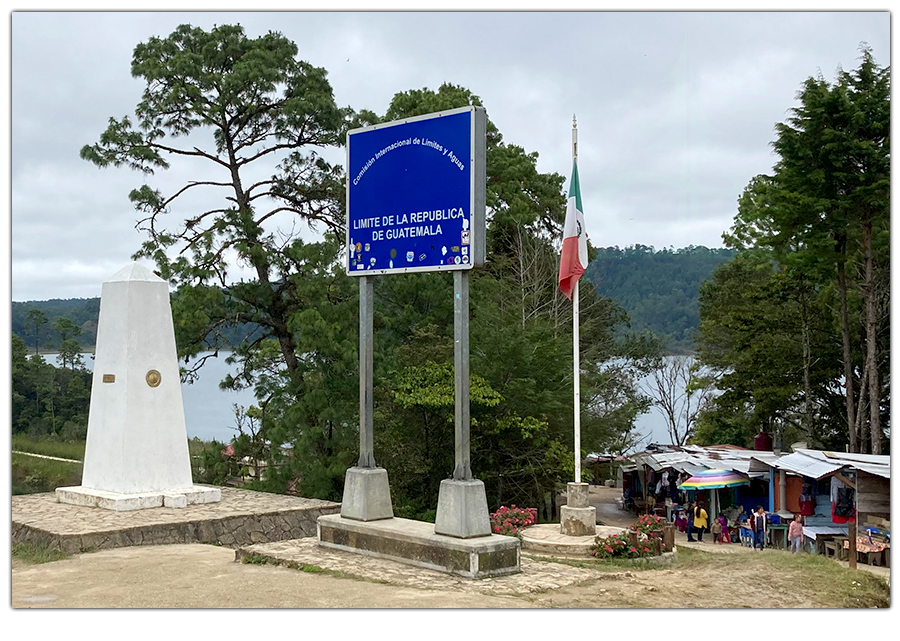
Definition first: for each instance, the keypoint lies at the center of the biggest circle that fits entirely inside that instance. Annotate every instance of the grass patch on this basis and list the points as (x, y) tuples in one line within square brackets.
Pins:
[(33, 553), (309, 568), (31, 475), (832, 582), (604, 565), (824, 581), (255, 559), (48, 447)]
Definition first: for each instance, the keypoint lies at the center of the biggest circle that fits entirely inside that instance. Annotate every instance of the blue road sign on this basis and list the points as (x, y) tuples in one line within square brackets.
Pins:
[(415, 194)]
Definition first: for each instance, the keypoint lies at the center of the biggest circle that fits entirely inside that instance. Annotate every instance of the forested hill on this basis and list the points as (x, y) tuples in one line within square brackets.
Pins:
[(658, 288), (84, 314)]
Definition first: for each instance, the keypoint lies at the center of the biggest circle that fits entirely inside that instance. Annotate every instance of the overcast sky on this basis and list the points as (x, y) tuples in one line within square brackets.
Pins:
[(676, 111)]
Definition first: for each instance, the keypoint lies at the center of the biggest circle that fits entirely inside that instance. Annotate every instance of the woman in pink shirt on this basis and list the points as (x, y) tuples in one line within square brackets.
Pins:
[(795, 533)]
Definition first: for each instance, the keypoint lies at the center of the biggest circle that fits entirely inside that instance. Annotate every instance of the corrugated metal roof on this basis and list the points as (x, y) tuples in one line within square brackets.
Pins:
[(800, 463), (813, 463), (877, 464), (877, 459), (883, 471)]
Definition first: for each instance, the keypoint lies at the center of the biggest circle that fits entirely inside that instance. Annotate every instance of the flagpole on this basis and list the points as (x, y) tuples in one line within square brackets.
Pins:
[(575, 337)]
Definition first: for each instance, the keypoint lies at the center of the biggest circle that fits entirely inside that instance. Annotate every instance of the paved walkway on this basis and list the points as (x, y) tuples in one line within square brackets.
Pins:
[(535, 577)]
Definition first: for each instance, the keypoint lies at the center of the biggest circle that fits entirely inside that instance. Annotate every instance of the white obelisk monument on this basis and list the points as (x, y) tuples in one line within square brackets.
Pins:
[(136, 455)]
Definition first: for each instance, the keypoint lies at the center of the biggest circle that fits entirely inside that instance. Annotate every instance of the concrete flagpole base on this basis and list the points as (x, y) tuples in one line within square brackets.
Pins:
[(367, 494), (462, 510), (578, 517)]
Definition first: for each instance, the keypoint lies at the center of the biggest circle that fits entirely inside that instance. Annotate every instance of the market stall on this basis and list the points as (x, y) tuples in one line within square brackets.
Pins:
[(713, 481)]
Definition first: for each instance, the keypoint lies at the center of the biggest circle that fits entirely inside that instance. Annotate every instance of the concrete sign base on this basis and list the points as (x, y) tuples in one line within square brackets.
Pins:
[(578, 517), (415, 543), (462, 509), (367, 495)]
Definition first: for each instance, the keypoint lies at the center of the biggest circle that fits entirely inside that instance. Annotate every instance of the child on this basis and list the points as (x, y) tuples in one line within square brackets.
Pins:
[(795, 533), (717, 529), (723, 520)]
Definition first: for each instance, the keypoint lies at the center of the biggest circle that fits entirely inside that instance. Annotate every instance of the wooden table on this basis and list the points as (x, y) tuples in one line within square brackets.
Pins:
[(872, 553), (776, 532)]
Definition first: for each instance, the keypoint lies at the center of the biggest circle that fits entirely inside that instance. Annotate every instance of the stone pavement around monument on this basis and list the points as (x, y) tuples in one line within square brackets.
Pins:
[(241, 517)]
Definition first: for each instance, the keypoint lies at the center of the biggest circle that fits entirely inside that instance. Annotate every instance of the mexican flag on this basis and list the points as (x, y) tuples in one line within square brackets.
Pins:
[(574, 256)]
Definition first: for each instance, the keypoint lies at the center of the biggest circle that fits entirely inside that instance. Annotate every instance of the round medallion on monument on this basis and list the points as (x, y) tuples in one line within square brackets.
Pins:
[(153, 378)]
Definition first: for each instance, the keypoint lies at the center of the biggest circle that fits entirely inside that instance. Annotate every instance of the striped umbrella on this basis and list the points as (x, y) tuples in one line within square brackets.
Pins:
[(712, 479)]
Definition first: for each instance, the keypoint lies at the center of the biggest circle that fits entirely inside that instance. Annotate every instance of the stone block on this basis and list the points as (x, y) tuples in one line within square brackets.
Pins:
[(175, 500), (462, 509), (367, 495), (577, 521), (90, 497), (200, 494), (577, 495)]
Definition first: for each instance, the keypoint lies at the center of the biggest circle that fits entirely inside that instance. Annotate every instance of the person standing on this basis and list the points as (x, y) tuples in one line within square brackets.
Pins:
[(701, 521), (758, 524), (795, 533), (690, 521)]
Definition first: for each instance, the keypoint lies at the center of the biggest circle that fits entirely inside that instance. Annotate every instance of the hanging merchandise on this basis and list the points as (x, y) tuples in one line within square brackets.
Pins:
[(836, 484), (807, 500), (843, 509)]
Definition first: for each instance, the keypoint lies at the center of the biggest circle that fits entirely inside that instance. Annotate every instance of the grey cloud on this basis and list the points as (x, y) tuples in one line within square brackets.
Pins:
[(676, 111)]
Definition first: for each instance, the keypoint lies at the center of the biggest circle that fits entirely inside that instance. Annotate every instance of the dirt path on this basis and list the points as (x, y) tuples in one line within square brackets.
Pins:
[(205, 576), (52, 458), (604, 500)]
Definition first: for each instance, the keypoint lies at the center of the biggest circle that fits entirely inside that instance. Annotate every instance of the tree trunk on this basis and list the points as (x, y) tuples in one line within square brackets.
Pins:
[(871, 341), (807, 390), (848, 357), (861, 425)]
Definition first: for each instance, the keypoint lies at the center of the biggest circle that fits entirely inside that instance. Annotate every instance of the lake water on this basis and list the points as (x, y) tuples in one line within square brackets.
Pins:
[(209, 411)]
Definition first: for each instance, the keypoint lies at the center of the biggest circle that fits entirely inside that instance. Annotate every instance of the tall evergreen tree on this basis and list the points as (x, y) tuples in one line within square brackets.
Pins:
[(826, 209)]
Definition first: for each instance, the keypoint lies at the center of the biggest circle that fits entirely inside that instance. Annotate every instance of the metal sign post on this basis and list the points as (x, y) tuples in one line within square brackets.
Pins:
[(463, 469), (366, 373), (367, 494)]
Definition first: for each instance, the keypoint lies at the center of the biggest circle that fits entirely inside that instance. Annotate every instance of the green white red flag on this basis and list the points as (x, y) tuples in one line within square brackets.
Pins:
[(574, 256)]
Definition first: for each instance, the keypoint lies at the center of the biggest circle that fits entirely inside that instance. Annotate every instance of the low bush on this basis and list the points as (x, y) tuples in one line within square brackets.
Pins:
[(509, 520), (646, 530), (617, 546)]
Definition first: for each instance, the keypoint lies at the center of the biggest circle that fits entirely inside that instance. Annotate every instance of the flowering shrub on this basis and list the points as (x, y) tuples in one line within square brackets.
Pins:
[(647, 528), (650, 526), (509, 520), (618, 546)]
